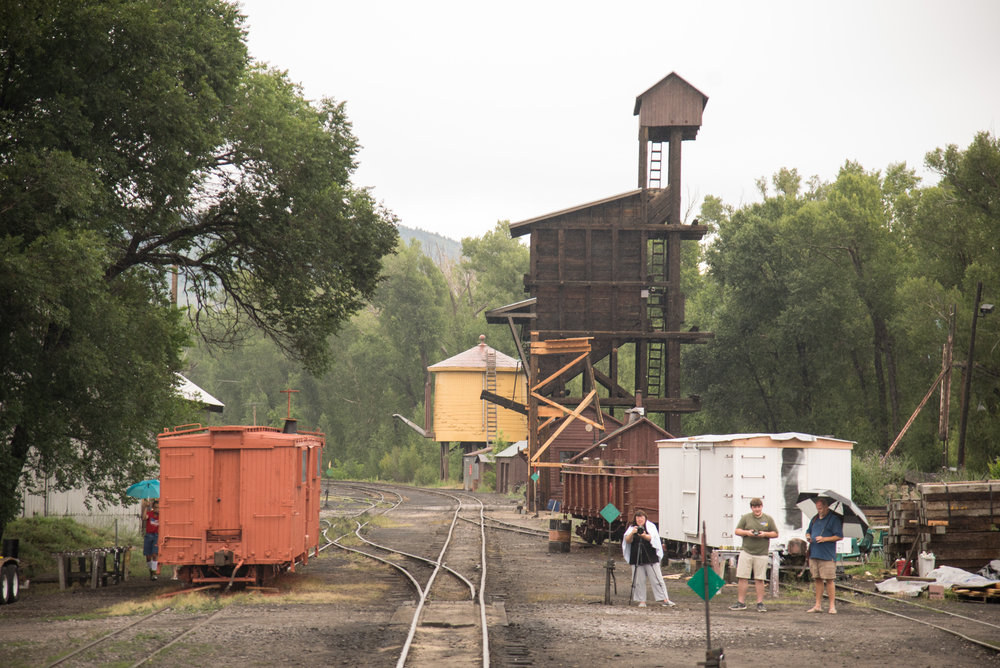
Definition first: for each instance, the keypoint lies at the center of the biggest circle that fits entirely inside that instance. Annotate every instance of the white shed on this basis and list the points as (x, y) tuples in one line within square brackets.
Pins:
[(712, 478)]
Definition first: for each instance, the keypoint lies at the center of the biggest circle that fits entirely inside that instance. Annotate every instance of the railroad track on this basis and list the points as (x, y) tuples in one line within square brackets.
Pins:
[(101, 652), (976, 631), (449, 616)]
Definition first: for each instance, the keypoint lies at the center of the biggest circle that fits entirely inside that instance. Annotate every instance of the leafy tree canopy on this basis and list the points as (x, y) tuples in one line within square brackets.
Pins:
[(137, 137)]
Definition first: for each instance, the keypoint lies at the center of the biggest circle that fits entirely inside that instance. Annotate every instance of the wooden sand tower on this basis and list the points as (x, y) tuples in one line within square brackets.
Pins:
[(609, 271)]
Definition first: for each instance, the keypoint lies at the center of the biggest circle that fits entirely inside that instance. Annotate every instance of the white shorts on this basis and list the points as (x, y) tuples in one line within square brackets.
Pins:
[(752, 566)]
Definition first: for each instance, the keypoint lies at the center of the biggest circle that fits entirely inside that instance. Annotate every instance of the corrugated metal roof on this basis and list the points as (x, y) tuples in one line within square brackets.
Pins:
[(475, 358), (513, 449)]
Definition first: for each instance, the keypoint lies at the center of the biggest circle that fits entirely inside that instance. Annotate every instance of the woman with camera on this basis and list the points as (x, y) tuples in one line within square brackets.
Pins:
[(643, 551)]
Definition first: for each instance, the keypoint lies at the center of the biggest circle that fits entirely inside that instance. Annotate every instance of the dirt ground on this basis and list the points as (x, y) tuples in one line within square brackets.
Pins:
[(548, 610)]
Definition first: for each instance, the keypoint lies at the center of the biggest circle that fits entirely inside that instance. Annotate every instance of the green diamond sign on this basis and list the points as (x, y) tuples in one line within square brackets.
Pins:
[(535, 476), (610, 513), (697, 583)]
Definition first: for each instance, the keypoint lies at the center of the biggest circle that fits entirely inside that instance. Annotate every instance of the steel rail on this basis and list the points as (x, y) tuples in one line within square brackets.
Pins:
[(105, 637), (919, 605), (953, 632), (423, 597), (177, 638)]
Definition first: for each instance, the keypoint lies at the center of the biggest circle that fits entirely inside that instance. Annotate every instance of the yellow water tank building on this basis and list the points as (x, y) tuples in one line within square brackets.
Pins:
[(459, 412)]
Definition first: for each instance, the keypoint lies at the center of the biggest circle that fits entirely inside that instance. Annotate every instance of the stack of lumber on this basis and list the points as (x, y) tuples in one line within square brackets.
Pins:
[(902, 521), (960, 522), (877, 515), (987, 594)]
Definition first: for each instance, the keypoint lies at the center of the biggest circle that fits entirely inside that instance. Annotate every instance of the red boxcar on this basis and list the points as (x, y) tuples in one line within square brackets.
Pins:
[(238, 504)]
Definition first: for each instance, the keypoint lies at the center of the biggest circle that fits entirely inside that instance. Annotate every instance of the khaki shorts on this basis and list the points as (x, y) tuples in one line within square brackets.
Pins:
[(823, 569), (752, 566)]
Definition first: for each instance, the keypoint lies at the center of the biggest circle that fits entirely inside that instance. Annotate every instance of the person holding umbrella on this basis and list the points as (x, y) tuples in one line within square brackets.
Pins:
[(150, 543), (824, 530)]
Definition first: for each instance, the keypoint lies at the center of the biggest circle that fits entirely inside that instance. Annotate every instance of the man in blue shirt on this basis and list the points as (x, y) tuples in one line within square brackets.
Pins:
[(824, 530)]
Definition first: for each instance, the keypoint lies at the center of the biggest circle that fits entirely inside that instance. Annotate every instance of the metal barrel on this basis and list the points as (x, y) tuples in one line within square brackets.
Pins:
[(559, 535)]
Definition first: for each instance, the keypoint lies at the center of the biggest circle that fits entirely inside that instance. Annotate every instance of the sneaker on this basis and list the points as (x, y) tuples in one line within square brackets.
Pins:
[(761, 608), (152, 577), (642, 604), (738, 606), (668, 604)]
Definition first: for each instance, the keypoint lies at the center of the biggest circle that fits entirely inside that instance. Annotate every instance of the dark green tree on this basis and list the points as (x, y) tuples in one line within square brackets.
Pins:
[(136, 137)]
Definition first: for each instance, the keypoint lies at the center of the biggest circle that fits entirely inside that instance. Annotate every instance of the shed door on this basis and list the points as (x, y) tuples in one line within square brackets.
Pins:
[(690, 488), (226, 491)]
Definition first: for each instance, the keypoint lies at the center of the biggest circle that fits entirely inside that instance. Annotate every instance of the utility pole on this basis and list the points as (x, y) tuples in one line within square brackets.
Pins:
[(967, 378)]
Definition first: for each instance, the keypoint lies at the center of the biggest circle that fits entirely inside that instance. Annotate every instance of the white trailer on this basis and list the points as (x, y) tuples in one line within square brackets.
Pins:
[(712, 478)]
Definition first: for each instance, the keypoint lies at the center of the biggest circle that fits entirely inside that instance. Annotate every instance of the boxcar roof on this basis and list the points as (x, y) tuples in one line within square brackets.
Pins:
[(759, 440)]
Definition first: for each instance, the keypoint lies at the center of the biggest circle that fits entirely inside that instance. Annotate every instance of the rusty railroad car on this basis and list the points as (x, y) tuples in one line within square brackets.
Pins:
[(238, 503), (622, 469)]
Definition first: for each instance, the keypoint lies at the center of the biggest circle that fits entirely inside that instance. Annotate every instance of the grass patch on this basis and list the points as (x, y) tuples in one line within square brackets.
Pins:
[(40, 537)]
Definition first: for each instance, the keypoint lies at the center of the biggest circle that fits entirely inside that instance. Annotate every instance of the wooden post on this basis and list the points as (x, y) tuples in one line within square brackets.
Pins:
[(95, 561), (945, 406), (444, 461), (643, 157), (532, 421), (63, 562)]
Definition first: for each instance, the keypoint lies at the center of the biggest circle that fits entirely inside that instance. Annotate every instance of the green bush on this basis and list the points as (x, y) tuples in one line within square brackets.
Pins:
[(427, 475), (353, 470), (870, 478), (488, 483)]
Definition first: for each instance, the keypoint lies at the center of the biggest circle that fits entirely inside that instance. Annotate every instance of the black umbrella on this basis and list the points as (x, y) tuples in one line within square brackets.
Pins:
[(854, 520)]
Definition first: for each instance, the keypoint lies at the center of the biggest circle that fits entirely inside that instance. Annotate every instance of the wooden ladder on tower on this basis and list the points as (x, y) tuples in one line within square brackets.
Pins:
[(491, 386), (656, 315), (655, 164)]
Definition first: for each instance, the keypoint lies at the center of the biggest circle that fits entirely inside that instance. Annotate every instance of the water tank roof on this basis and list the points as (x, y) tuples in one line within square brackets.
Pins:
[(475, 358)]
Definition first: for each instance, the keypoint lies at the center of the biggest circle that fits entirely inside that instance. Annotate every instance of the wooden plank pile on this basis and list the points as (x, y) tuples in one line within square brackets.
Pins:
[(987, 594), (960, 522), (902, 521)]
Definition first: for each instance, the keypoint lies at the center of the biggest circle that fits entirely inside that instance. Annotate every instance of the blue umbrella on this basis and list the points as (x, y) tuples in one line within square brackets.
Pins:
[(147, 489)]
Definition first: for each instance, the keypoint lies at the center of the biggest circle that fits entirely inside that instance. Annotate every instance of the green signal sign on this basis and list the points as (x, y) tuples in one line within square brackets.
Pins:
[(535, 476), (610, 513), (697, 583)]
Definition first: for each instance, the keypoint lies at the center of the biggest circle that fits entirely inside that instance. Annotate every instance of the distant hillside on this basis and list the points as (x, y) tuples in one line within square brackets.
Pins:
[(435, 246)]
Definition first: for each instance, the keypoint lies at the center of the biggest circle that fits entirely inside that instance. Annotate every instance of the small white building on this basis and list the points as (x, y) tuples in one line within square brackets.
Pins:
[(712, 478)]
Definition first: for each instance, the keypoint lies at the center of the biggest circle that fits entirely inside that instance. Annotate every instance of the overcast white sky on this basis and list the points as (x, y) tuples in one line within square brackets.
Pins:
[(472, 112)]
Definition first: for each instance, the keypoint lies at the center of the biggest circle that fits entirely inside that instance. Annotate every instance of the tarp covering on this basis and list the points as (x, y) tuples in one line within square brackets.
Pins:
[(943, 575)]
